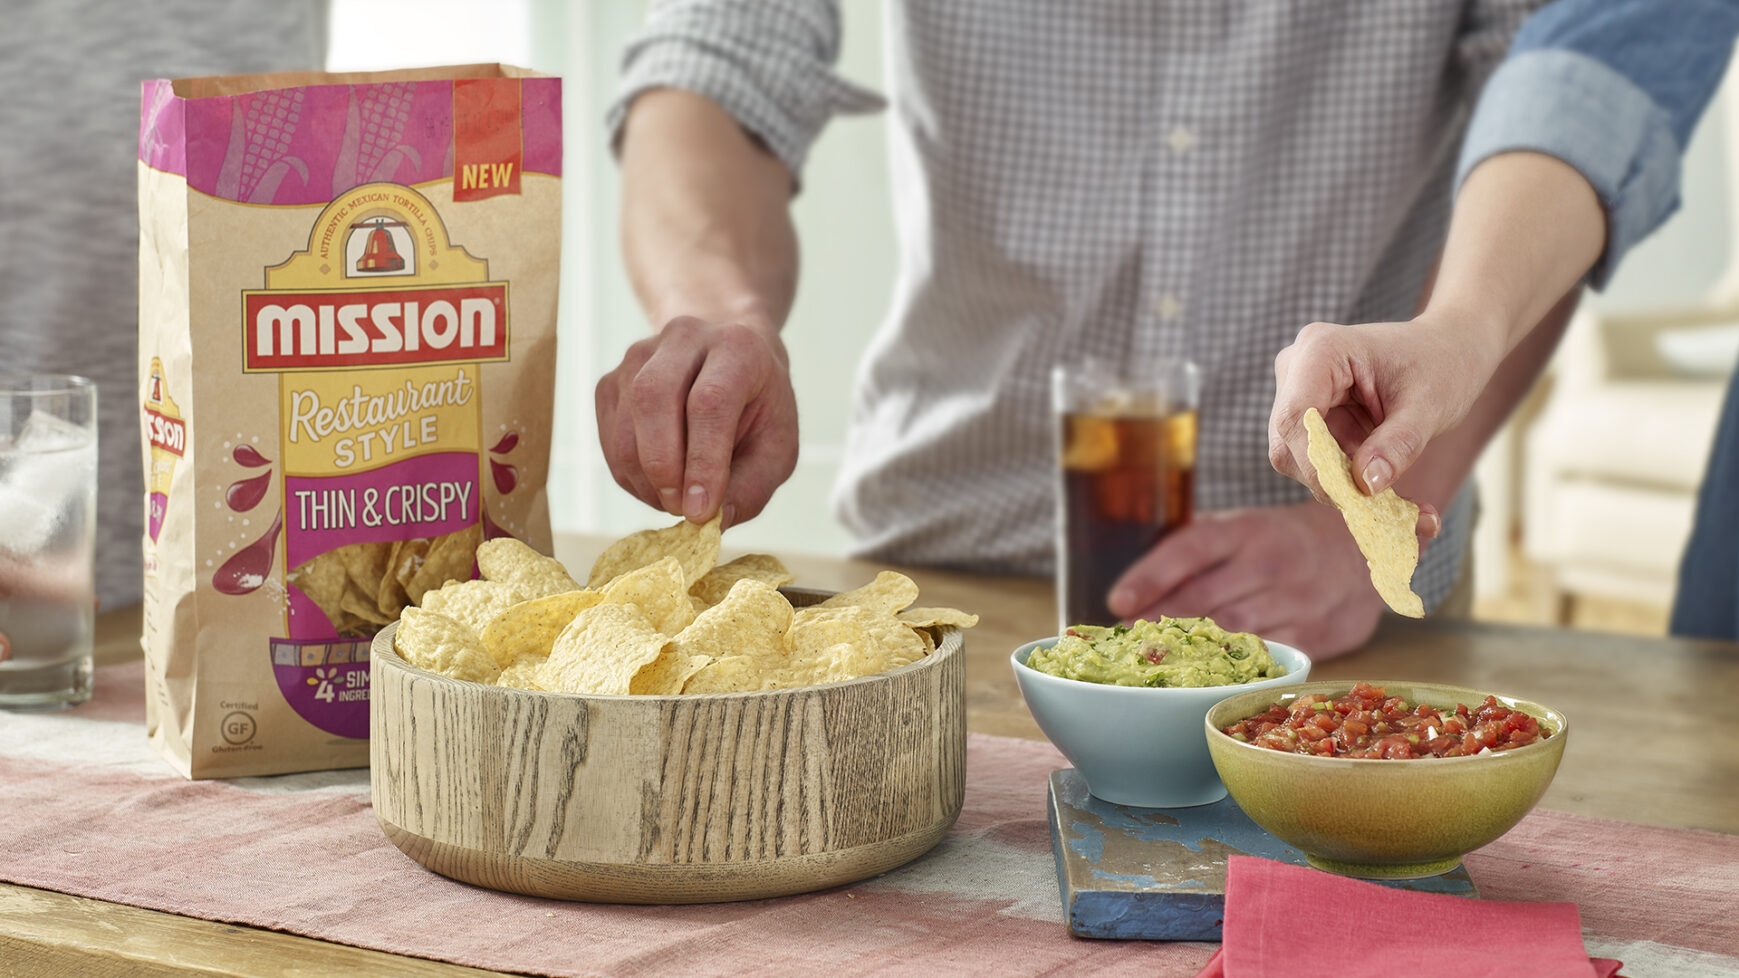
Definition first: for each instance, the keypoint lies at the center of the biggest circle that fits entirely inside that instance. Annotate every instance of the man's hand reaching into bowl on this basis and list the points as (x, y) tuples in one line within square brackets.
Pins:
[(701, 417)]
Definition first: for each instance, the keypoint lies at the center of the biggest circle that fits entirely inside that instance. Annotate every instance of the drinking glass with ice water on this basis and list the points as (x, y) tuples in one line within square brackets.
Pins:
[(48, 501), (1126, 462)]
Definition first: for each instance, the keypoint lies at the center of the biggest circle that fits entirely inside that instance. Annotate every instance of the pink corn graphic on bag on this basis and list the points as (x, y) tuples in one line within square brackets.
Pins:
[(347, 291)]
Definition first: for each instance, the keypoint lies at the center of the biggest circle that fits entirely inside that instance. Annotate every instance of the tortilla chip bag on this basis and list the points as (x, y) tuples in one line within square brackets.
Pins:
[(347, 328)]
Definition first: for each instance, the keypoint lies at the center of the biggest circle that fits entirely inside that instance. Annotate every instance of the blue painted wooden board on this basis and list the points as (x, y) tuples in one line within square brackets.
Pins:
[(1160, 873)]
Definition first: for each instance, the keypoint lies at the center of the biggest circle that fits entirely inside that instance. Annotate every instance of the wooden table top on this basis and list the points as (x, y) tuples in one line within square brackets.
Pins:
[(1635, 754)]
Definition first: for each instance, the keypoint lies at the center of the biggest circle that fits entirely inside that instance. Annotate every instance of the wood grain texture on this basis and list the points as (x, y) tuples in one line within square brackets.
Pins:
[(45, 934), (669, 799)]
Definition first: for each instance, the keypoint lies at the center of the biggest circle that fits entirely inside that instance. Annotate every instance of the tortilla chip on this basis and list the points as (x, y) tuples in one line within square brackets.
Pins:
[(529, 629), (390, 595), (476, 603), (888, 593), (450, 558), (322, 579), (366, 564), (527, 673), (695, 547), (930, 617), (659, 591), (407, 559), (668, 673), (435, 642), (1384, 525), (833, 664), (730, 674), (363, 607), (716, 583), (749, 624), (510, 561), (601, 650), (352, 625), (830, 644), (928, 637)]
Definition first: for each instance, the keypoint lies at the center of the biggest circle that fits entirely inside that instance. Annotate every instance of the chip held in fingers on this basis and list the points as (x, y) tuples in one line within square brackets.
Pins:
[(660, 615), (1384, 524)]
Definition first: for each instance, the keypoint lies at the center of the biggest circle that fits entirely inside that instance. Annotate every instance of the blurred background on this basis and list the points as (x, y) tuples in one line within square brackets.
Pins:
[(1587, 495)]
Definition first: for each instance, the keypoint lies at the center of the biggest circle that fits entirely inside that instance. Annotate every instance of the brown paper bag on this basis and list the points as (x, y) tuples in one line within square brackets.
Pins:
[(347, 300)]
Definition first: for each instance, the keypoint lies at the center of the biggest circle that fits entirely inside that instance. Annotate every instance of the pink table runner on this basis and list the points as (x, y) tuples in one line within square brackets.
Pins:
[(87, 808)]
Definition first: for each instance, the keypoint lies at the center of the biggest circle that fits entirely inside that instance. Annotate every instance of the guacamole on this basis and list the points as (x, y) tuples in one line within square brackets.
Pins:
[(1168, 652)]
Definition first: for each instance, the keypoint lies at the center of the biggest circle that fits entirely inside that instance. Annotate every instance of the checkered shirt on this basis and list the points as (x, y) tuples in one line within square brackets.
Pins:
[(1119, 178)]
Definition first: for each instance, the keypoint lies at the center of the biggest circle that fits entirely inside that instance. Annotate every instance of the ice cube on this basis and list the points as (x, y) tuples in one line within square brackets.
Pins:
[(43, 433), (45, 472)]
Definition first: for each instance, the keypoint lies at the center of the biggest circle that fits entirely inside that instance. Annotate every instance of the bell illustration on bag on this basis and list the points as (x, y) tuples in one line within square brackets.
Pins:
[(379, 255)]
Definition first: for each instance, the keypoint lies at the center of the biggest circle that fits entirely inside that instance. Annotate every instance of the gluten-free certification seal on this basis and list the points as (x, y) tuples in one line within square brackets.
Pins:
[(237, 727)]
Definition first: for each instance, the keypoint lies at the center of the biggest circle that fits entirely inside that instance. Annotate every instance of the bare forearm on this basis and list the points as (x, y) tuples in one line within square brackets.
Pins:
[(1526, 229), (1451, 456), (706, 225)]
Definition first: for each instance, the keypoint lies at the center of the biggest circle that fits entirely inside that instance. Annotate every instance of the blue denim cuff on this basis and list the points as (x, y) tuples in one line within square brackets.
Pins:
[(1572, 106)]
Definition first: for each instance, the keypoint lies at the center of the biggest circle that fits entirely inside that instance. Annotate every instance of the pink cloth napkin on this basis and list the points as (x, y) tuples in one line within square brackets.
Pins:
[(1279, 917)]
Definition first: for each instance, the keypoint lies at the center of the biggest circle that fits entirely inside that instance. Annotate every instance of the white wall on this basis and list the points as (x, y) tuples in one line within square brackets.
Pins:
[(374, 35)]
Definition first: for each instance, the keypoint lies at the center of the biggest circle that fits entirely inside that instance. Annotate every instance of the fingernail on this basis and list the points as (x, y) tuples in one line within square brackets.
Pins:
[(1433, 524), (669, 499), (1377, 475), (695, 507)]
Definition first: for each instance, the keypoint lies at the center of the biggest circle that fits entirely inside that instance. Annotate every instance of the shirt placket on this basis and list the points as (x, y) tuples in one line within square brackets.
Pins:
[(1175, 207)]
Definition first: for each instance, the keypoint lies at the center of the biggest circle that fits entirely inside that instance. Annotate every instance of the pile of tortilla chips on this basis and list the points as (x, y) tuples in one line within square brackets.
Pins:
[(658, 615)]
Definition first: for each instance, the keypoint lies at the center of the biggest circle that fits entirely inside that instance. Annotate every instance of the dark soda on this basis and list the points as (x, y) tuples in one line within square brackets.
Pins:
[(1127, 481)]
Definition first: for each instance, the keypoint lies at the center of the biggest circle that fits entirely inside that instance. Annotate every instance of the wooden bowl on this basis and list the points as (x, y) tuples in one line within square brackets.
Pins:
[(668, 799)]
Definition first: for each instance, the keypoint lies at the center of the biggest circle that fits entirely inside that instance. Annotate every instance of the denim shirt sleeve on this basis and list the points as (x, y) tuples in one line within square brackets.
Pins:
[(1613, 88)]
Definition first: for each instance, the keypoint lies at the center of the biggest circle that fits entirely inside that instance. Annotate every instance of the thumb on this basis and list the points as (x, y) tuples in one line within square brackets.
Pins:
[(1389, 450)]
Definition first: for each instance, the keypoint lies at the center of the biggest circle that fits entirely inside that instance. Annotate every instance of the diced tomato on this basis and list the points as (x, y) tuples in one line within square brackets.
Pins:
[(1368, 723)]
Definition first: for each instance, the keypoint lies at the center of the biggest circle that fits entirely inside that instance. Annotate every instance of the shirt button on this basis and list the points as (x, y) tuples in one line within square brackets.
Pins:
[(1180, 139), (1167, 307)]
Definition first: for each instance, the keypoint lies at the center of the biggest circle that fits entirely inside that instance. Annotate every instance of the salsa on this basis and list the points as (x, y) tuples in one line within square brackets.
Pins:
[(1369, 723)]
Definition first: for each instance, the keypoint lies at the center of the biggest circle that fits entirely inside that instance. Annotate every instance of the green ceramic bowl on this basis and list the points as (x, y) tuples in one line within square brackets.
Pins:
[(1386, 819)]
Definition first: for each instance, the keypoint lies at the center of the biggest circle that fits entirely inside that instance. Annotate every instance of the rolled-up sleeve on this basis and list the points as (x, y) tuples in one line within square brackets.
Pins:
[(1613, 88), (769, 63)]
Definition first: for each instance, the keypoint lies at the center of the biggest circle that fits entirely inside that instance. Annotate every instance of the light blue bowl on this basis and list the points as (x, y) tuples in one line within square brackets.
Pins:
[(1134, 745)]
